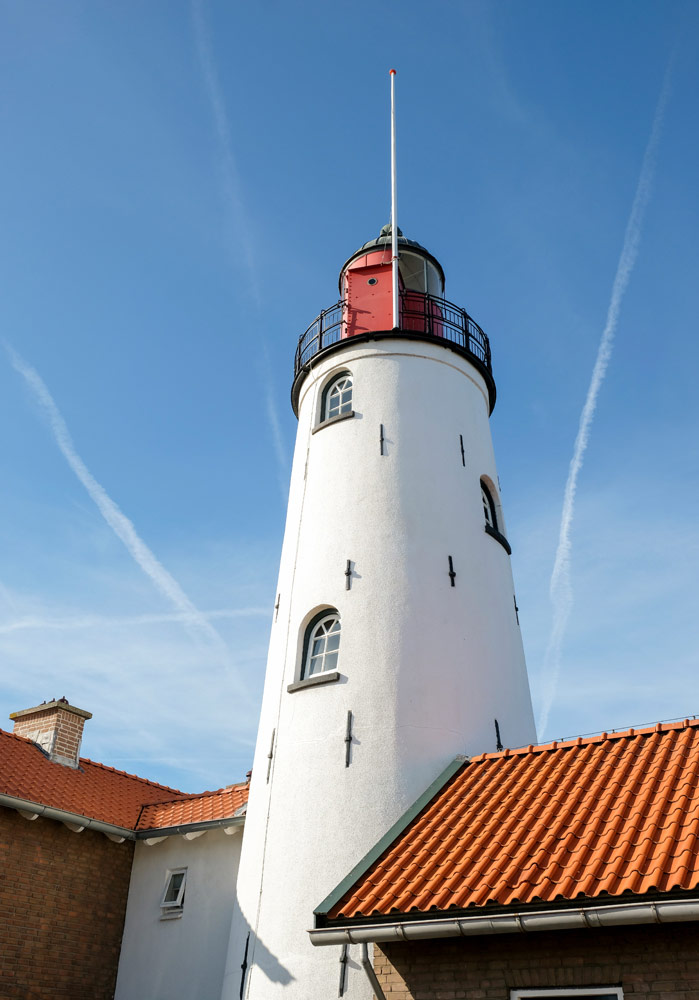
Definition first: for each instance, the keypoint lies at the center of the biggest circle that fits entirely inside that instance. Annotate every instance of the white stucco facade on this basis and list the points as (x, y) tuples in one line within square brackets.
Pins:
[(424, 667), (181, 958)]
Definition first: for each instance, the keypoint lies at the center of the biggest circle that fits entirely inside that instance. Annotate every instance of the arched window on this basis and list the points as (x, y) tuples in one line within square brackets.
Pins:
[(493, 526), (489, 507), (337, 397), (321, 644)]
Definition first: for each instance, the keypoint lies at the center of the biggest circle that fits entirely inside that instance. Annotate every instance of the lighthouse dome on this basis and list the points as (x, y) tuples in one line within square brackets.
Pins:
[(420, 271)]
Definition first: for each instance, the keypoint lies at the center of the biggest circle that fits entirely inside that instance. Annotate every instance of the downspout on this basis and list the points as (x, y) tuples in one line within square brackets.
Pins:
[(370, 974)]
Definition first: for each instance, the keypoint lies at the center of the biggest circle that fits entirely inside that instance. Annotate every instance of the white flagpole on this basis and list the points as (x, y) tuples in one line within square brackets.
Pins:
[(394, 207)]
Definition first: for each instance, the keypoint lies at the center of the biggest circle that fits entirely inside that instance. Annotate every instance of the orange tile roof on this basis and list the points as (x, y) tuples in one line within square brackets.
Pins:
[(194, 809), (98, 791), (599, 817)]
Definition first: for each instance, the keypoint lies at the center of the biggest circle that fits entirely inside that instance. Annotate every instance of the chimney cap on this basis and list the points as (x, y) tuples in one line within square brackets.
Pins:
[(45, 706)]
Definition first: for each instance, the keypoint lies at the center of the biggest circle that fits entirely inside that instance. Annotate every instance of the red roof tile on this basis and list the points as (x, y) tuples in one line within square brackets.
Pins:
[(612, 814), (221, 804), (102, 792)]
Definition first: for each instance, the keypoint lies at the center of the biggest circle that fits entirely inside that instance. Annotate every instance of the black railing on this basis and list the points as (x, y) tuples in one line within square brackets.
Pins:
[(325, 330), (424, 315)]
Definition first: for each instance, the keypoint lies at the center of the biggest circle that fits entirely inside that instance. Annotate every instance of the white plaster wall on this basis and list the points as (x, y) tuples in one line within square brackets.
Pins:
[(184, 958), (425, 667)]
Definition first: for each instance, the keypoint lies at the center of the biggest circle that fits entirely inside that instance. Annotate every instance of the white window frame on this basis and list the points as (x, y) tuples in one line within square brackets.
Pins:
[(173, 907), (564, 992), (344, 408), (308, 644)]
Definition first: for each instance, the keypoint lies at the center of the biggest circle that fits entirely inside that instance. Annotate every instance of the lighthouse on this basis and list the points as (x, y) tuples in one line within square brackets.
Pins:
[(395, 641)]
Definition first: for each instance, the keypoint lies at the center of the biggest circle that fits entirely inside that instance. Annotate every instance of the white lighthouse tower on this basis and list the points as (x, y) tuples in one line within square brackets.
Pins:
[(395, 643)]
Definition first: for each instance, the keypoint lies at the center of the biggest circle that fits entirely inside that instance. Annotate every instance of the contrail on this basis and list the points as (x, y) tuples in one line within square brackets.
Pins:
[(275, 426), (230, 178), (560, 588), (228, 164), (118, 522), (7, 598), (34, 622)]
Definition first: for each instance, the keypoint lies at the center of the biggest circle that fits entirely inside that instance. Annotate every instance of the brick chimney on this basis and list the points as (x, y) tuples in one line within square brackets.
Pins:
[(56, 726)]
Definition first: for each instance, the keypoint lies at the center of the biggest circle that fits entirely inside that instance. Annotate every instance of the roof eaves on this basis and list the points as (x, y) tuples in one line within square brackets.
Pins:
[(182, 828), (62, 816), (571, 917), (395, 831)]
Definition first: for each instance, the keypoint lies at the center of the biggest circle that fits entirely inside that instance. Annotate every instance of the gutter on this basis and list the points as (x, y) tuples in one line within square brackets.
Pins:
[(613, 915), (49, 812), (76, 820), (171, 831)]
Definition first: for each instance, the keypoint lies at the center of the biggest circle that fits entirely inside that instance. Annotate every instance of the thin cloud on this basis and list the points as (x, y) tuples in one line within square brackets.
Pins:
[(7, 598), (278, 440), (227, 163), (239, 229), (275, 426), (561, 591), (72, 624), (118, 522)]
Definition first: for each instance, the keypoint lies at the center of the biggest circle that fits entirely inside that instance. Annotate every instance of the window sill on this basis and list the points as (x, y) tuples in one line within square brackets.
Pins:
[(494, 533), (173, 914), (332, 420), (307, 682)]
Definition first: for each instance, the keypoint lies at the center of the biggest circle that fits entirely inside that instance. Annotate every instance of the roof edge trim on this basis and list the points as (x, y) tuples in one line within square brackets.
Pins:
[(171, 831), (385, 842), (61, 816), (614, 915)]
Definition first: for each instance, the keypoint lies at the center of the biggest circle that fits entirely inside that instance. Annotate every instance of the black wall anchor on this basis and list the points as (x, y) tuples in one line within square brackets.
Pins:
[(270, 755), (343, 969), (348, 740), (244, 966)]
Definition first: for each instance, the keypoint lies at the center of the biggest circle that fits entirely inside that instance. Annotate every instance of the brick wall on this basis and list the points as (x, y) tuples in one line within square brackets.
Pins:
[(62, 905), (650, 961)]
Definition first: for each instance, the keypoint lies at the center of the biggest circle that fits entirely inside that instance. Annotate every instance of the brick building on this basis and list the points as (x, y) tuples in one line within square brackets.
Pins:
[(78, 840), (567, 870)]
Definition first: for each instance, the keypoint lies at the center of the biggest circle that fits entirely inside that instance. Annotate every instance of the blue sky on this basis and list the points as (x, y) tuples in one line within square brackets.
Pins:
[(181, 184)]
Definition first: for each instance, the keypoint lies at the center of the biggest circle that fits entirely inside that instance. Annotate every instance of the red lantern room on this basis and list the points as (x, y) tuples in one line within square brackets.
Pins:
[(366, 286), (365, 309)]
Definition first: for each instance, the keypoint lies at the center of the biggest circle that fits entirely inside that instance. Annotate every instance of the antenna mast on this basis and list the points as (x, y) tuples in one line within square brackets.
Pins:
[(394, 206)]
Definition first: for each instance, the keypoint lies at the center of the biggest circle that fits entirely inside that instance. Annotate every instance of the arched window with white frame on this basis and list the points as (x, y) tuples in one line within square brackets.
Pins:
[(337, 397), (321, 644)]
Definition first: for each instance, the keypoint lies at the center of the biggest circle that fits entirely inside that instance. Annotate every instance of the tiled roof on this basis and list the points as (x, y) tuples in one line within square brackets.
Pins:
[(98, 791), (600, 817), (194, 809)]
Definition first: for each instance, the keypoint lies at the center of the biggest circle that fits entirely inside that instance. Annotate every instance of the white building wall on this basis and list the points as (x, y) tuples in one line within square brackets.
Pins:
[(182, 958), (425, 667)]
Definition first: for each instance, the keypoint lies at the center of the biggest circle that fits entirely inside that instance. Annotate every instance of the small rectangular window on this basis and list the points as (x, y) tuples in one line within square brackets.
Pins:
[(173, 896)]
